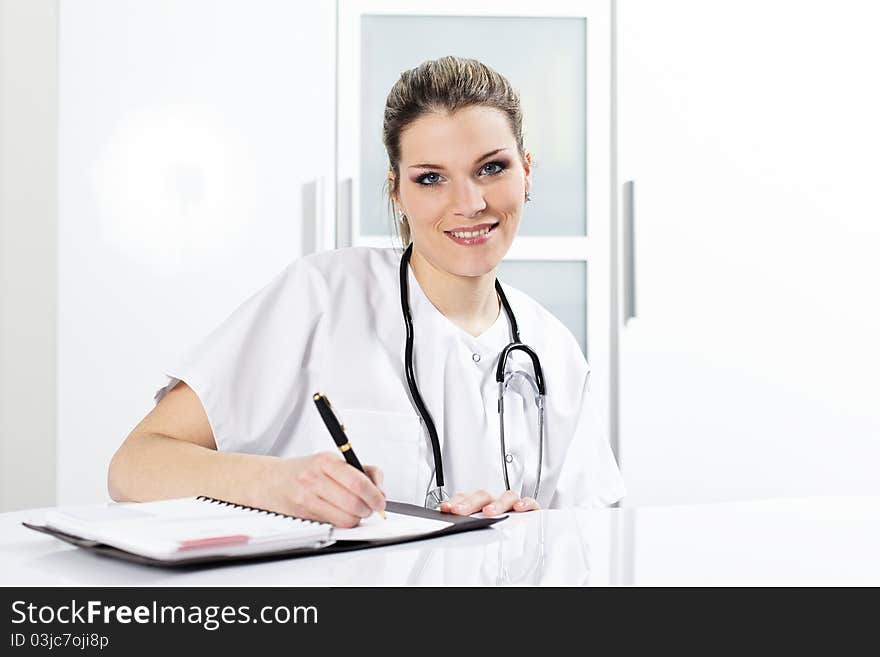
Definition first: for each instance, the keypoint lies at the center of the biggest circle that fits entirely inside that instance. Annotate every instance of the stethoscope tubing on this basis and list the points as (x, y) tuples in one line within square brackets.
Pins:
[(516, 345), (410, 375)]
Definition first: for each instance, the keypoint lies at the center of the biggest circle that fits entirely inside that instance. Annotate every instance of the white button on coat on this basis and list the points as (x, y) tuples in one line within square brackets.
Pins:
[(331, 322)]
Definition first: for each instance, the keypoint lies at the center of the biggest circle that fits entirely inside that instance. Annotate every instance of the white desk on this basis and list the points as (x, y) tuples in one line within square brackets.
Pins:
[(813, 541)]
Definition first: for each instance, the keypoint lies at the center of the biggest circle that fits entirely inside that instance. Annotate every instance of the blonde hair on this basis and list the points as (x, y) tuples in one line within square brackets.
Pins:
[(442, 85)]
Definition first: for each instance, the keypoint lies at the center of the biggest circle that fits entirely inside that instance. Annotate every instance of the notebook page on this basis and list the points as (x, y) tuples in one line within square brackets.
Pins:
[(397, 525)]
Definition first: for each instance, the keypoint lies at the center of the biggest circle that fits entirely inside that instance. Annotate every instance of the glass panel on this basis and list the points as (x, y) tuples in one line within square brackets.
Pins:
[(561, 287), (544, 58)]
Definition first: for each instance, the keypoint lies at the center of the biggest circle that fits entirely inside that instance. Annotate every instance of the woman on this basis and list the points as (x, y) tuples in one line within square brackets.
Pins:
[(236, 420)]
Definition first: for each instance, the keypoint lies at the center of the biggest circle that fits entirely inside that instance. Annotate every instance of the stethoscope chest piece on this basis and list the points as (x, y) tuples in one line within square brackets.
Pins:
[(435, 497)]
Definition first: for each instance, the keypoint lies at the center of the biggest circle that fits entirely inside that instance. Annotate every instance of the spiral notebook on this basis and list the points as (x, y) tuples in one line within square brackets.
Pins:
[(188, 527), (203, 529)]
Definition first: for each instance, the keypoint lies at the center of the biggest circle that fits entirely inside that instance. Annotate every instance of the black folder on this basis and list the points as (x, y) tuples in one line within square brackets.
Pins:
[(459, 524)]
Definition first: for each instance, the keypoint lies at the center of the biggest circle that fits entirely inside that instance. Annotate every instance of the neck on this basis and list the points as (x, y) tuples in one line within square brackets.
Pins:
[(470, 302)]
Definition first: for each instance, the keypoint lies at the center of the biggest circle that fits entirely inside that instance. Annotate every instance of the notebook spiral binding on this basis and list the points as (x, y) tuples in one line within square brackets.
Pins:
[(244, 507)]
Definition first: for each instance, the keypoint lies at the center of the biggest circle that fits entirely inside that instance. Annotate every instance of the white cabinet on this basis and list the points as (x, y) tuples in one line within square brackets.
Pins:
[(750, 131), (193, 137)]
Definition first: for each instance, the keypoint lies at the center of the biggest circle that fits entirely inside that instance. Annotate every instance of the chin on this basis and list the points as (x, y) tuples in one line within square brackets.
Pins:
[(474, 264)]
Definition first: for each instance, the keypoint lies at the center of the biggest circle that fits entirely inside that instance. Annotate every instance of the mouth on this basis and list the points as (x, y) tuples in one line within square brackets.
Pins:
[(472, 235)]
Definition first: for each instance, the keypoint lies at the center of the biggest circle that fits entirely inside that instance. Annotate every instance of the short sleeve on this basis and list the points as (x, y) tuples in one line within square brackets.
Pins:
[(246, 372), (589, 476)]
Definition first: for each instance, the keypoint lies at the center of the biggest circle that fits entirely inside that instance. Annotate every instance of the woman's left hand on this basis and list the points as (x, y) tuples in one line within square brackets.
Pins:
[(465, 505)]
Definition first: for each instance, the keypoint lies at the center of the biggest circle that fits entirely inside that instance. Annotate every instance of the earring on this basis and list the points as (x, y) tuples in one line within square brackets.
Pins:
[(528, 197)]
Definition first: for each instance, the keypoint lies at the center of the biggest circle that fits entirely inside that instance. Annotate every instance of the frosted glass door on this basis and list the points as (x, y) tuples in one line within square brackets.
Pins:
[(558, 56), (554, 106)]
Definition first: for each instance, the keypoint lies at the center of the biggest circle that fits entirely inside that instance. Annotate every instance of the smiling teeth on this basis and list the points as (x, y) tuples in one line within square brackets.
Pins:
[(475, 233)]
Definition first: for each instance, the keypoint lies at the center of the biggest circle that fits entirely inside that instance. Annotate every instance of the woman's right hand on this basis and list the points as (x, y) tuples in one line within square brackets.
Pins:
[(324, 487)]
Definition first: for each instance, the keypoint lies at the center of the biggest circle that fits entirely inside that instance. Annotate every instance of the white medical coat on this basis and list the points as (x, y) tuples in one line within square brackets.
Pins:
[(331, 322)]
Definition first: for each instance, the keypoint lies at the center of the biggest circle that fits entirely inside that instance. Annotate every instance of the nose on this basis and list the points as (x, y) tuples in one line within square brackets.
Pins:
[(467, 198)]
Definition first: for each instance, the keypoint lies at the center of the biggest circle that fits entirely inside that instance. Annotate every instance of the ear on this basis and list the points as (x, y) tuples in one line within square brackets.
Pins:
[(395, 196), (527, 167)]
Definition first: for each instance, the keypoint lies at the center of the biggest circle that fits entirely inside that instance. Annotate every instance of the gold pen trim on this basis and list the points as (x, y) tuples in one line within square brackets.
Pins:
[(345, 447)]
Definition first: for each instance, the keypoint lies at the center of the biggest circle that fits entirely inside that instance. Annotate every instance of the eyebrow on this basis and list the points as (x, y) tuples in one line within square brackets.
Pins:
[(439, 166)]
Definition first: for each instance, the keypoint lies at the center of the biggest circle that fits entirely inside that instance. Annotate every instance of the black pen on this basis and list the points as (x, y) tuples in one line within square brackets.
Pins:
[(338, 432)]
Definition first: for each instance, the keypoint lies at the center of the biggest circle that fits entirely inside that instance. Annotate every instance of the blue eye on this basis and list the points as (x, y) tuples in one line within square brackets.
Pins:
[(424, 179), (432, 178), (501, 166)]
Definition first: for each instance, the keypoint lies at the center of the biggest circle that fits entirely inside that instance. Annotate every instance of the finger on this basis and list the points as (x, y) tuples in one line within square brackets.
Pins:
[(357, 483), (341, 497), (502, 504), (472, 503), (447, 506), (526, 504), (375, 473), (323, 511)]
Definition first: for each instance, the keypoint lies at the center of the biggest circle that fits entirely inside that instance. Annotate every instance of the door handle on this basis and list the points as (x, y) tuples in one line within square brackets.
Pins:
[(629, 251), (314, 217), (345, 201)]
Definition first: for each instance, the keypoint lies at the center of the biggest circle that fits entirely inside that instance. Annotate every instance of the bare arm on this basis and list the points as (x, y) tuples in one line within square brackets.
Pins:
[(172, 453)]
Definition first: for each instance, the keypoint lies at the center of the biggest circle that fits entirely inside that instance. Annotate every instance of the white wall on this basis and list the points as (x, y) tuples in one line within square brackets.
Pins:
[(28, 264)]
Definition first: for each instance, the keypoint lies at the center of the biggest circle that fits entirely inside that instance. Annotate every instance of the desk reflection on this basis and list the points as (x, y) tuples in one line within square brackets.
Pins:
[(532, 549)]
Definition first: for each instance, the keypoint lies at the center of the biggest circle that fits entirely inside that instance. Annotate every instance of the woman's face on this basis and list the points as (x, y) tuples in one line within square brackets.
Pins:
[(461, 174)]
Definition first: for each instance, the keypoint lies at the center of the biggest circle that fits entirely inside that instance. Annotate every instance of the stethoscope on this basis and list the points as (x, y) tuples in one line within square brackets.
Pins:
[(436, 495)]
